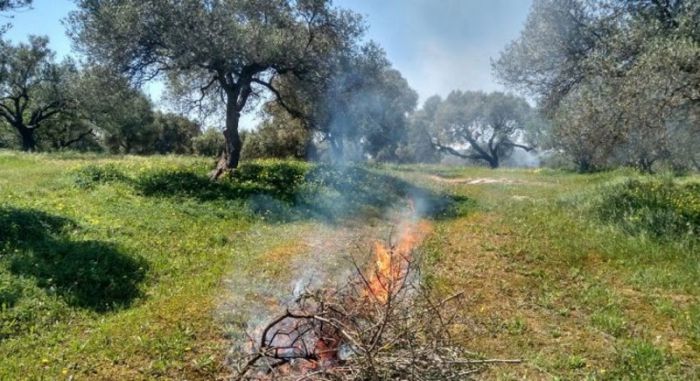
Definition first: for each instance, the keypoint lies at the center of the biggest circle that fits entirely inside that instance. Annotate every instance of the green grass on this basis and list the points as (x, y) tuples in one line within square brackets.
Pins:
[(662, 209), (105, 281), (131, 267), (601, 299), (112, 267)]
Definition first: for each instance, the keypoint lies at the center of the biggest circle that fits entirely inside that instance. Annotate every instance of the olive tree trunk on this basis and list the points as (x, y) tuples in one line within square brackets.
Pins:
[(28, 139), (232, 150)]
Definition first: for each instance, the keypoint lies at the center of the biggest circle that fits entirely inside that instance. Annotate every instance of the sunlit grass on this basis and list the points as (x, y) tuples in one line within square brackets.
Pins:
[(599, 301), (546, 279)]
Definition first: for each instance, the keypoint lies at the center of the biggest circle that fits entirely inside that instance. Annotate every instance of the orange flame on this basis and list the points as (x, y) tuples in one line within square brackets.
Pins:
[(391, 262)]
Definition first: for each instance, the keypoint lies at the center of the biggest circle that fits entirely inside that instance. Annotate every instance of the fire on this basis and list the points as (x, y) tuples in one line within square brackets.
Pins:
[(391, 261), (312, 337)]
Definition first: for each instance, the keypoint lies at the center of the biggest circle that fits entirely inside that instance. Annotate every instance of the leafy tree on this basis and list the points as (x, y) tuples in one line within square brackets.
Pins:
[(123, 116), (109, 113), (228, 50), (175, 133), (546, 60), (8, 136), (684, 138), (280, 136), (210, 143), (32, 87), (490, 125), (129, 127), (69, 131), (358, 97), (382, 115), (629, 66), (75, 128), (584, 125), (418, 146)]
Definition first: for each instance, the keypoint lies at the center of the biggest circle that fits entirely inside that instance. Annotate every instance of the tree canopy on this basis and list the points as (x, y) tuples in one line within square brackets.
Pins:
[(489, 126), (33, 87), (611, 74), (222, 52), (357, 98)]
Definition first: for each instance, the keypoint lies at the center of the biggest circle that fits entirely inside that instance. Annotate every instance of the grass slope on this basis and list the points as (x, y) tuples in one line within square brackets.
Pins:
[(574, 295), (121, 268), (112, 268)]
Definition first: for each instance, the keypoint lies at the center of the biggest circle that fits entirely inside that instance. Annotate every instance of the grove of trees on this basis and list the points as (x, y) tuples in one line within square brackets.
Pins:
[(619, 79), (605, 83)]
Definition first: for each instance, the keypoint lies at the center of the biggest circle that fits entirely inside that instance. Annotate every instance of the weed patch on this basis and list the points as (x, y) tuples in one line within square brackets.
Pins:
[(661, 209), (639, 360), (91, 175)]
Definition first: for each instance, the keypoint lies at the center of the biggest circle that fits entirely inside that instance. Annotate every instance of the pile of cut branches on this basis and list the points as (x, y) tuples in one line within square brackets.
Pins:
[(353, 334)]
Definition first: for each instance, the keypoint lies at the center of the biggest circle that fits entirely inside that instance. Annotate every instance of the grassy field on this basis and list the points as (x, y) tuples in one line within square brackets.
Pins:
[(139, 268)]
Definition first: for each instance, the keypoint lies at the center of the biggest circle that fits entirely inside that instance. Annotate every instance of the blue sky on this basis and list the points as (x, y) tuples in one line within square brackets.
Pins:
[(443, 45), (438, 45)]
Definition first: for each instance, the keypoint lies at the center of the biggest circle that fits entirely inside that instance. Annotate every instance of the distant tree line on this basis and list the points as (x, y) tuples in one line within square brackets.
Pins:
[(49, 105), (362, 109), (610, 83), (324, 92)]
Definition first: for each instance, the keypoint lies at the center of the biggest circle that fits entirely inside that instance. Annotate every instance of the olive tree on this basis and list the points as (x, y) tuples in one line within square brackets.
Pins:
[(357, 98), (418, 147), (218, 52), (32, 87), (585, 126), (121, 115), (611, 74), (175, 133), (280, 135), (489, 126)]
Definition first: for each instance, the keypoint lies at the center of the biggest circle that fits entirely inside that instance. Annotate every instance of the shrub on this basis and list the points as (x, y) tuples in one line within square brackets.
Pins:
[(279, 178), (210, 143), (654, 207), (90, 175)]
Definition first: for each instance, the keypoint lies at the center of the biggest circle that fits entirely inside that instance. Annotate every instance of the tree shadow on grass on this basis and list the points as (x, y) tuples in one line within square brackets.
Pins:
[(283, 192), (87, 274)]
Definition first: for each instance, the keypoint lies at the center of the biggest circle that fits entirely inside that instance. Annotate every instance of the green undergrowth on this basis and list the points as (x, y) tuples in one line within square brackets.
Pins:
[(112, 267), (584, 276), (276, 190), (660, 208)]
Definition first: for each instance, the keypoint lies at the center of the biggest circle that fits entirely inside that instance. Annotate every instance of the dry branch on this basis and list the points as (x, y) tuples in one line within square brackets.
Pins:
[(354, 334)]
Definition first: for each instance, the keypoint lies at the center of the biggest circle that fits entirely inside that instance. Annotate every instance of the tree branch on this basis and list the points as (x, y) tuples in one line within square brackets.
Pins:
[(454, 152), (77, 139), (278, 97), (46, 112), (526, 148)]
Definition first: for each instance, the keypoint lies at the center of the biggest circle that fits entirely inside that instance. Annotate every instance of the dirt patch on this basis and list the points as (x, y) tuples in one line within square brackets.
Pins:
[(521, 198), (478, 180)]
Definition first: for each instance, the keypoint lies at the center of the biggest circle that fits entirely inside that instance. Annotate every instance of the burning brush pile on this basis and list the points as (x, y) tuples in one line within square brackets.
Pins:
[(381, 325)]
